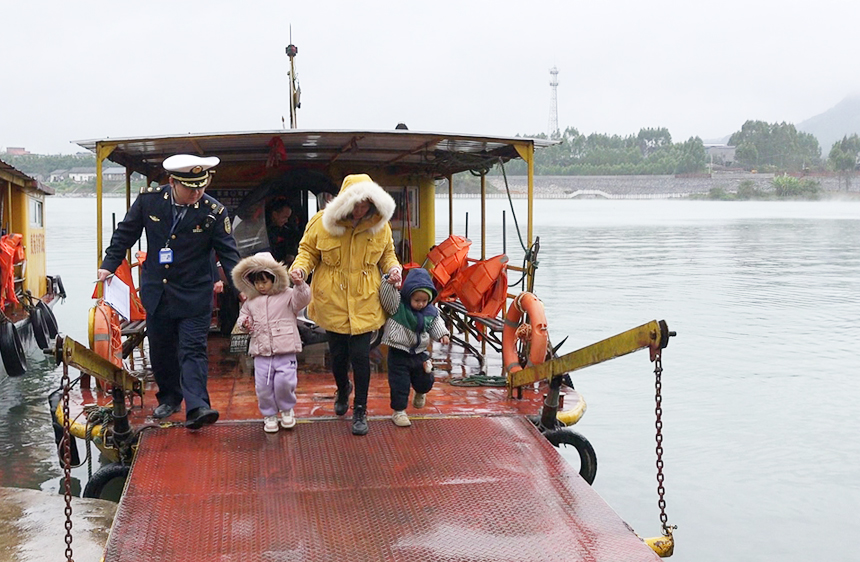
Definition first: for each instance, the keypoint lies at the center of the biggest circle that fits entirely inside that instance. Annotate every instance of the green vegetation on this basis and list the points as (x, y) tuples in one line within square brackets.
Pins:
[(781, 188), (647, 153), (42, 165), (843, 158), (775, 147)]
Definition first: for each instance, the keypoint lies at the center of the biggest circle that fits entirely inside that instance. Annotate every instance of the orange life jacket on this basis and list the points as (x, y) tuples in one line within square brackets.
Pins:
[(483, 286), (11, 252), (447, 258)]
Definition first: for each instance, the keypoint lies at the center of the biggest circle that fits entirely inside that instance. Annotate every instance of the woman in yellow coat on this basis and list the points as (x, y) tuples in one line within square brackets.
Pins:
[(348, 245)]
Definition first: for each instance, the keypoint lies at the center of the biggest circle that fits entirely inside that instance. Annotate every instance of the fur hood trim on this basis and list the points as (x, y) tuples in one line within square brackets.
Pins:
[(357, 188), (262, 261)]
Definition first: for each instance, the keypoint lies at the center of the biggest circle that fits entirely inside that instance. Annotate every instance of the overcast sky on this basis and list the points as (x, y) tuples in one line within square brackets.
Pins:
[(78, 70)]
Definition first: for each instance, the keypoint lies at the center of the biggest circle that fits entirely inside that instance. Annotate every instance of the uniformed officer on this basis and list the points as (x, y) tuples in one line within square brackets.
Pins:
[(183, 226)]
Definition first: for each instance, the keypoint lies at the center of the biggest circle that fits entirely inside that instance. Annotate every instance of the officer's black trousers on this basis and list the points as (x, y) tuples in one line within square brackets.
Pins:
[(180, 363)]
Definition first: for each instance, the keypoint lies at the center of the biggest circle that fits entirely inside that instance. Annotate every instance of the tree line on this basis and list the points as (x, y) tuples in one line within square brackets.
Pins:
[(649, 152), (761, 146)]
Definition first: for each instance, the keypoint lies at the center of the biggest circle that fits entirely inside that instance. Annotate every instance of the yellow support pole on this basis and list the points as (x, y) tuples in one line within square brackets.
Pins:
[(102, 152), (450, 204), (526, 151), (531, 162), (483, 216)]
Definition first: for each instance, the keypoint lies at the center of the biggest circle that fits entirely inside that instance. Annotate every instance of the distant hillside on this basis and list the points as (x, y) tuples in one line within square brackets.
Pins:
[(838, 121)]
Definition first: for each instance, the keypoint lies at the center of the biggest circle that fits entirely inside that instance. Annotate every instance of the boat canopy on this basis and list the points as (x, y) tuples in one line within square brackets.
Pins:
[(396, 151)]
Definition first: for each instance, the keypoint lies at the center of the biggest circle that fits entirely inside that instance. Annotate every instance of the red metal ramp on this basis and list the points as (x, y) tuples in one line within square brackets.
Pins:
[(465, 489)]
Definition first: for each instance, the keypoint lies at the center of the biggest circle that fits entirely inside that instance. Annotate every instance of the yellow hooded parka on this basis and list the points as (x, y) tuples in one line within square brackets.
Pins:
[(348, 260)]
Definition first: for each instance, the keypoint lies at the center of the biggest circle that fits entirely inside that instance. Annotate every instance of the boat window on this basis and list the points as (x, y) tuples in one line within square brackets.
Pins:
[(37, 217)]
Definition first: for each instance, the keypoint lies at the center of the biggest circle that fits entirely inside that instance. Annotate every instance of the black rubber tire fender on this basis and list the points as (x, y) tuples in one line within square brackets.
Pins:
[(53, 327), (587, 457), (60, 289), (102, 477), (11, 350), (39, 325)]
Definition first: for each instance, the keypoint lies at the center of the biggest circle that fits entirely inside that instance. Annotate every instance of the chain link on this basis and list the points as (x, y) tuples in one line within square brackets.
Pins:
[(67, 462), (658, 411)]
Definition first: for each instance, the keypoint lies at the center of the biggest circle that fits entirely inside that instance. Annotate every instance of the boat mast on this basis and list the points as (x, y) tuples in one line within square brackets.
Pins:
[(295, 89)]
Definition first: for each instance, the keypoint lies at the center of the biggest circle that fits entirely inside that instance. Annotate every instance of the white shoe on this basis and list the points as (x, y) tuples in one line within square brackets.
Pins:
[(270, 424), (419, 399), (400, 419), (288, 420)]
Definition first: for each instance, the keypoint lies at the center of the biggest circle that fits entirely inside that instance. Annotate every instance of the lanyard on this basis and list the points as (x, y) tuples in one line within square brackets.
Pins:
[(178, 215)]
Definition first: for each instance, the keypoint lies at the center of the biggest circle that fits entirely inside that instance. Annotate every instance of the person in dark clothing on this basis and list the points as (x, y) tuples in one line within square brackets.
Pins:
[(183, 226), (283, 229), (412, 324)]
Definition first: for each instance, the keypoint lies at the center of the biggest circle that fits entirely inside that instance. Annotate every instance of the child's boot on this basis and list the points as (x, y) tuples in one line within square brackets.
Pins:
[(419, 399)]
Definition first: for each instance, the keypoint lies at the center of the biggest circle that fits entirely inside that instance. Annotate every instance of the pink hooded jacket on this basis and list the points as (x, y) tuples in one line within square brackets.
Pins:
[(273, 316)]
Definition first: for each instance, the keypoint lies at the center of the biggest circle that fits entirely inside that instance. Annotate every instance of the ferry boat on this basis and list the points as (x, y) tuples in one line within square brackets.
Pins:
[(476, 477), (27, 293)]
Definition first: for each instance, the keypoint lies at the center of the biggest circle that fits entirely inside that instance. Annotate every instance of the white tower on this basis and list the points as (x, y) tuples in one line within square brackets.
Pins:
[(552, 130)]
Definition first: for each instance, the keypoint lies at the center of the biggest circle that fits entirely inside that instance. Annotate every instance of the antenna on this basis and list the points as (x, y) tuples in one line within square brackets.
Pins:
[(295, 89), (552, 130)]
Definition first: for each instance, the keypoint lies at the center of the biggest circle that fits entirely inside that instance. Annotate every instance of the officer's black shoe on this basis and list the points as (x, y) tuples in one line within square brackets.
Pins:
[(359, 420), (164, 410), (341, 400), (198, 417)]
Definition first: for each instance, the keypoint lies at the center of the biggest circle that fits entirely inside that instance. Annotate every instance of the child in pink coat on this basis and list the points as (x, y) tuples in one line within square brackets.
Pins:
[(269, 314)]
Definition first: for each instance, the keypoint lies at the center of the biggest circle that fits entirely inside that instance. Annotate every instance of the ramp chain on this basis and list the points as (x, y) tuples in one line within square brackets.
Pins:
[(67, 463), (658, 410)]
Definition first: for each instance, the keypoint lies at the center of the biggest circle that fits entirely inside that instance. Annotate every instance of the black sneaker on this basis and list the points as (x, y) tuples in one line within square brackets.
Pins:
[(341, 400), (359, 420)]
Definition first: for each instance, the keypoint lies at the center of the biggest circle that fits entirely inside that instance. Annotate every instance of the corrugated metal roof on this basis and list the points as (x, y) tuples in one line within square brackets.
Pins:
[(402, 151)]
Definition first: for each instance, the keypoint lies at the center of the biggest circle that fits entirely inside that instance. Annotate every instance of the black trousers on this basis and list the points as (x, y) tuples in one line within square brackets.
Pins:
[(406, 371), (180, 362), (351, 350)]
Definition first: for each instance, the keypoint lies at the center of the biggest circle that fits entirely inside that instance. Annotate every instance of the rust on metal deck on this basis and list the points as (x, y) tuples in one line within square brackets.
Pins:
[(471, 488)]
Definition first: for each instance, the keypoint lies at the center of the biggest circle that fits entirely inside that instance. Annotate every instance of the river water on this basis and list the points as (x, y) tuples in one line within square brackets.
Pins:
[(759, 386)]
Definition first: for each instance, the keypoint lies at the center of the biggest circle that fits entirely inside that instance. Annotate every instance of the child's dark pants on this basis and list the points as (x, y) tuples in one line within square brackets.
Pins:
[(404, 371)]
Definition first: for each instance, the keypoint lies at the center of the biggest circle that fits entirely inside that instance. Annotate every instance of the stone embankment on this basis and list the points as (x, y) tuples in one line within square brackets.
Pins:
[(643, 187)]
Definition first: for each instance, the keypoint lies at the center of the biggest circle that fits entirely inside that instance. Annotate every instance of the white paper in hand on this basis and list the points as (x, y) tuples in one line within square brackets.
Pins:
[(116, 294)]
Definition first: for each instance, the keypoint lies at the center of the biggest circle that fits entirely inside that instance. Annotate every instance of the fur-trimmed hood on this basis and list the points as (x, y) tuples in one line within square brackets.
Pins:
[(357, 188), (262, 261)]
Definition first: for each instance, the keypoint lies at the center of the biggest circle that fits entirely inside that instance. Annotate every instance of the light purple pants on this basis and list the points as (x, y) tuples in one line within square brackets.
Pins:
[(275, 382)]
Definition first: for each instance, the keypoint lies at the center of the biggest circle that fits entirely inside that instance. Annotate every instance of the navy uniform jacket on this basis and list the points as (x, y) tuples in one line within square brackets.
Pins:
[(187, 281)]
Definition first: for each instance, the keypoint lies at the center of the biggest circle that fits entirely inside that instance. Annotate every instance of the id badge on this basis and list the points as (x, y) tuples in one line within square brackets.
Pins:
[(165, 255)]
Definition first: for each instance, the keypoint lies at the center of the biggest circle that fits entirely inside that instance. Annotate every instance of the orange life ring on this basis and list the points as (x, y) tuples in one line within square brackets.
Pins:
[(524, 303), (105, 333)]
